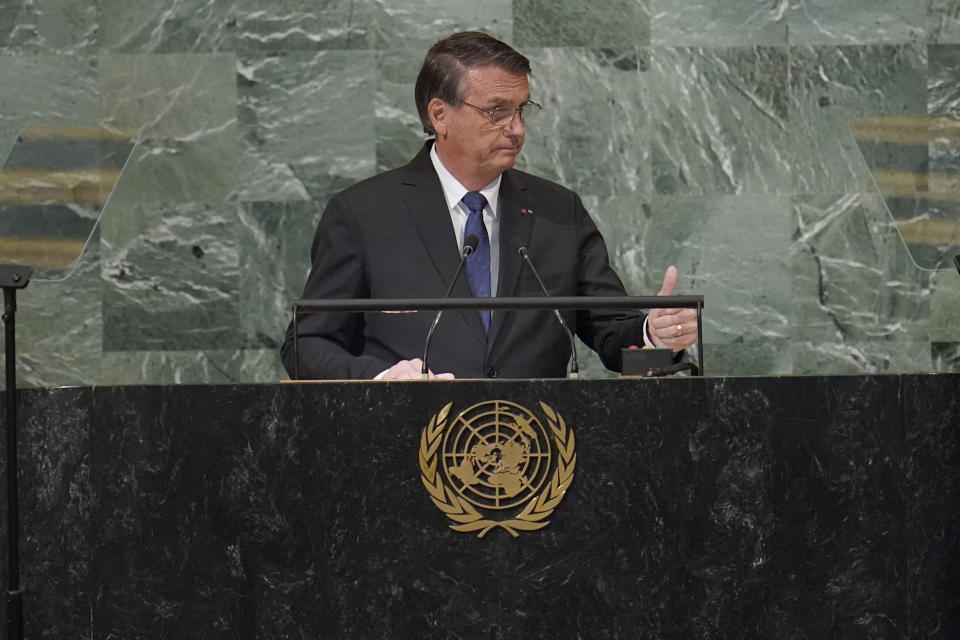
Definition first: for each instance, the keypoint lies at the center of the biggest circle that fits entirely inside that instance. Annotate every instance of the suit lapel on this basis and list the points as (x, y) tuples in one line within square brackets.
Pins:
[(515, 229), (428, 209)]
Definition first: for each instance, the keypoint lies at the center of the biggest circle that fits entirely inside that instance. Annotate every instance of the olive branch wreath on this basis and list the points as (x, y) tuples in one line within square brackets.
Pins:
[(538, 508)]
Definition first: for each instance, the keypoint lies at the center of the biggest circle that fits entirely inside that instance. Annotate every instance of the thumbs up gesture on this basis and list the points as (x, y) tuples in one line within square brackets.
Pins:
[(673, 328)]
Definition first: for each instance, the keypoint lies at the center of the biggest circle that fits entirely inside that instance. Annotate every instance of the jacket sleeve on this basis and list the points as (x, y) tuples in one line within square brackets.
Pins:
[(329, 345), (606, 331)]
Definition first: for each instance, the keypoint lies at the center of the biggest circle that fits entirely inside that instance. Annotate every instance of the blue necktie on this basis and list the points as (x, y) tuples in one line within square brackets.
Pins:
[(478, 263)]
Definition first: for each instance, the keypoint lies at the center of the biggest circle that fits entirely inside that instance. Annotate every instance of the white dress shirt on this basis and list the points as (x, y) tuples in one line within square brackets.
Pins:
[(453, 192)]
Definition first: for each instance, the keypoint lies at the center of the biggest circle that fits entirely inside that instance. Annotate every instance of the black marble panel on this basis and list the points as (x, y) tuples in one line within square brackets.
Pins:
[(729, 507)]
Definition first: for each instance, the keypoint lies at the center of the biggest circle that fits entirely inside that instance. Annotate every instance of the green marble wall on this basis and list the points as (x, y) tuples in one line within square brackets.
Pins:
[(710, 134)]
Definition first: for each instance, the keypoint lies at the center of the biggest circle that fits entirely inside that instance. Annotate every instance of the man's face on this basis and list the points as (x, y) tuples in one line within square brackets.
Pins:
[(467, 138)]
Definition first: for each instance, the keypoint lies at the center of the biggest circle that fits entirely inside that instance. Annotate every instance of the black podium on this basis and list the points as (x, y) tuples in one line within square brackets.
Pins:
[(818, 507)]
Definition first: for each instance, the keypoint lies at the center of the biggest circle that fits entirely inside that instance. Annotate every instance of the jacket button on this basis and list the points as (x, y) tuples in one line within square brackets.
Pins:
[(492, 373)]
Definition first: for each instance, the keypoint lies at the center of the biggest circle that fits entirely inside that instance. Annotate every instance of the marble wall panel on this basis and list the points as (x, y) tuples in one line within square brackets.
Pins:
[(60, 326), (417, 24), (857, 21), (745, 357), (302, 25), (33, 27), (595, 121), (46, 89), (602, 23), (946, 356), (180, 170), (692, 23), (944, 21), (690, 129), (312, 113), (944, 306), (721, 121), (171, 277), (747, 294), (852, 356), (853, 277), (184, 108), (168, 96), (943, 88), (143, 26), (190, 367), (272, 235), (399, 133), (831, 85)]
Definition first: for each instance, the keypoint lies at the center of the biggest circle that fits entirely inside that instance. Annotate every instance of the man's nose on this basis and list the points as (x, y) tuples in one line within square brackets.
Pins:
[(516, 126)]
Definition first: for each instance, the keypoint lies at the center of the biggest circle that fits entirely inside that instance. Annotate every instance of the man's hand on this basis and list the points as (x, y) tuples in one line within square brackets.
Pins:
[(410, 370), (673, 328)]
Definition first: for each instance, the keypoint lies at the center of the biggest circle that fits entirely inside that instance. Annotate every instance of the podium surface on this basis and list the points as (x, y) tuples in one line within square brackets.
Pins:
[(698, 507)]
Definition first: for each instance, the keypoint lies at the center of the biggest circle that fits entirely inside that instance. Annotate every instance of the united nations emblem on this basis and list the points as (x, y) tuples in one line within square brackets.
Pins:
[(495, 458)]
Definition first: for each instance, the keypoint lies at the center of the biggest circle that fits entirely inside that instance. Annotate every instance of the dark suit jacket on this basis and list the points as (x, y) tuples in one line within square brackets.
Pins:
[(391, 237)]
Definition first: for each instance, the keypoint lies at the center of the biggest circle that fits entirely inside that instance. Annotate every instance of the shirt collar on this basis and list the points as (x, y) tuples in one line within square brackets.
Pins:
[(453, 191)]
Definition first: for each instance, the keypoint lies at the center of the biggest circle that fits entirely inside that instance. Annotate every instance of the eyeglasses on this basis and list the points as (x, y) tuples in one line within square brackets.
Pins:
[(503, 116)]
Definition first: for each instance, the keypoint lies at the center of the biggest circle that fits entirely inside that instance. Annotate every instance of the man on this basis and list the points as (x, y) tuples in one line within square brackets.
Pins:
[(399, 235)]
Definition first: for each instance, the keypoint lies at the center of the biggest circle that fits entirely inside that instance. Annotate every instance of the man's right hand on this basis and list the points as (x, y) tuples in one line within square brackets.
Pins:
[(410, 370)]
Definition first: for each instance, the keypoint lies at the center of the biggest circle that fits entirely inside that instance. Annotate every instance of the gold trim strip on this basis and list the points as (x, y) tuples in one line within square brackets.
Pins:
[(922, 130), (57, 132), (929, 232), (83, 186), (926, 186), (47, 253)]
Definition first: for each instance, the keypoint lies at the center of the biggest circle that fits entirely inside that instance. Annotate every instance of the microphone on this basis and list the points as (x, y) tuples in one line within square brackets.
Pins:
[(469, 246), (574, 367)]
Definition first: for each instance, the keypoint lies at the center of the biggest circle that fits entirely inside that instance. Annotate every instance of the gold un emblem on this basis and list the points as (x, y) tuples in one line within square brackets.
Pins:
[(494, 459)]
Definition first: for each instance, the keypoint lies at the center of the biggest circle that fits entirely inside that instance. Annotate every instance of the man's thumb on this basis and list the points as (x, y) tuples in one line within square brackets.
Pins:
[(669, 281)]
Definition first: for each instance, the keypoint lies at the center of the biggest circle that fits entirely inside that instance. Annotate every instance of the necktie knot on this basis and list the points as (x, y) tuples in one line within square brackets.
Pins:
[(475, 201)]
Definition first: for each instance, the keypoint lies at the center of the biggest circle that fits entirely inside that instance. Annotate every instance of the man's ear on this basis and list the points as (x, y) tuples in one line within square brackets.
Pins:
[(437, 112)]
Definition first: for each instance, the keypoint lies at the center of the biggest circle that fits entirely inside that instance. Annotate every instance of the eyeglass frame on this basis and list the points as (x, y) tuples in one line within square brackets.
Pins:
[(516, 110)]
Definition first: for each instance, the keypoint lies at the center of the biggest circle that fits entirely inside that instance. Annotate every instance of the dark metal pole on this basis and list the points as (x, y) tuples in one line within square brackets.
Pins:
[(14, 594), (12, 277)]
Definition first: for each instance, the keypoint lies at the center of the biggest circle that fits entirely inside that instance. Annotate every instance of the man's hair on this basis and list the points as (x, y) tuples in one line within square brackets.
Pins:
[(444, 71)]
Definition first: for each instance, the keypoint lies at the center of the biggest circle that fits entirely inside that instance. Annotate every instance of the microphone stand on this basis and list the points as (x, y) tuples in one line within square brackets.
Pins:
[(12, 277), (469, 246), (574, 367)]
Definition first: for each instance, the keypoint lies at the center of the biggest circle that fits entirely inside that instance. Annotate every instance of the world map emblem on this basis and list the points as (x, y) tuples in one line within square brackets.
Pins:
[(497, 464)]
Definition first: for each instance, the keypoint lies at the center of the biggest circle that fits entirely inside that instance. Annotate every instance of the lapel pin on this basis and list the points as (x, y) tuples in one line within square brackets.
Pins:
[(526, 212)]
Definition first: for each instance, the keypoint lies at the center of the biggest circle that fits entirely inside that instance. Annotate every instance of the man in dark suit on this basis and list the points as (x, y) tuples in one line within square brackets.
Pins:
[(399, 235)]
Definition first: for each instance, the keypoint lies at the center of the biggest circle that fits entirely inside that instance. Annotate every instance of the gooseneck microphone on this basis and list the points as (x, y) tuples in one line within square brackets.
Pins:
[(574, 367), (469, 246)]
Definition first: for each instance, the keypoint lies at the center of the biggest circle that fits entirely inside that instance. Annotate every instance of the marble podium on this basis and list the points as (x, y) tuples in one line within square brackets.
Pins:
[(766, 507)]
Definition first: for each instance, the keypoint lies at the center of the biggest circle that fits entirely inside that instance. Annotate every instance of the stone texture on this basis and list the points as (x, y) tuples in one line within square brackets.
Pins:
[(591, 135), (721, 121), (603, 23), (853, 277), (710, 135), (692, 23), (311, 114), (857, 21), (721, 507), (944, 21), (831, 85), (171, 277), (32, 27), (414, 25)]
